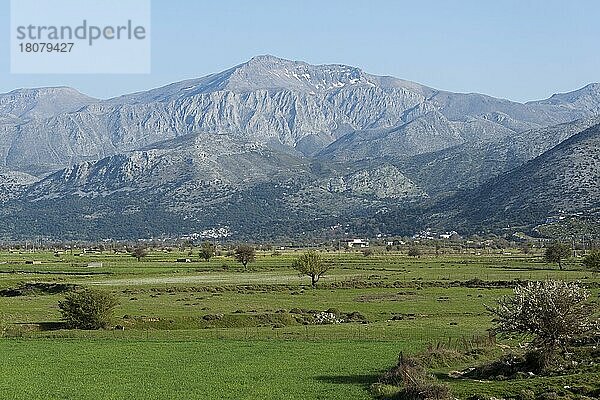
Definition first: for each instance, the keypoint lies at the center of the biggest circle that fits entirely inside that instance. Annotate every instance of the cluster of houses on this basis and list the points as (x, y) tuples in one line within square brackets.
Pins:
[(423, 235), (431, 235)]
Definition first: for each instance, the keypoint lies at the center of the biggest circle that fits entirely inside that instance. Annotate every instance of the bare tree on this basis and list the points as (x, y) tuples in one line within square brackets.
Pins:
[(311, 264)]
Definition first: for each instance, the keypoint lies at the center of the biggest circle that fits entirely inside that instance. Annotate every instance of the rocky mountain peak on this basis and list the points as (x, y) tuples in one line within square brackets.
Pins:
[(264, 72), (269, 72), (42, 102)]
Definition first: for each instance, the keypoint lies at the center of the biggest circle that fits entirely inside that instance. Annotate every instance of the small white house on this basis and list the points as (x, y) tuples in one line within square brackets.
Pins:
[(95, 264), (357, 243)]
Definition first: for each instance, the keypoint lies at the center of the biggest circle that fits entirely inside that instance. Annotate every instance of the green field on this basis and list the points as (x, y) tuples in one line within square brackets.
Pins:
[(211, 330), (124, 369)]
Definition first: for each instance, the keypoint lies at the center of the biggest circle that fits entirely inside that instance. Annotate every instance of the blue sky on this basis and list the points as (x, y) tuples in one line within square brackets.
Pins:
[(516, 49)]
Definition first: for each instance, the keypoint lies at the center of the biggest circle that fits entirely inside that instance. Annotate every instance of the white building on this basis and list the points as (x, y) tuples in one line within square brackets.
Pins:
[(357, 243)]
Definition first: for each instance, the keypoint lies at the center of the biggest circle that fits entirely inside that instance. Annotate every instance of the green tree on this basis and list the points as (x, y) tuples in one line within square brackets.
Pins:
[(526, 248), (207, 250), (438, 247), (556, 253), (414, 251), (311, 264), (551, 311), (88, 309), (139, 252), (592, 260), (245, 254)]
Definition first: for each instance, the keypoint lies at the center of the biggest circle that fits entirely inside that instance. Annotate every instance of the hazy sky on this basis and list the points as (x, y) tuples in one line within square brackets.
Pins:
[(516, 49)]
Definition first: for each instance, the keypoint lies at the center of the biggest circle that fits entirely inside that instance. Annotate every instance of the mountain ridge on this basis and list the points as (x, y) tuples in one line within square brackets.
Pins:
[(273, 145), (561, 181), (276, 101)]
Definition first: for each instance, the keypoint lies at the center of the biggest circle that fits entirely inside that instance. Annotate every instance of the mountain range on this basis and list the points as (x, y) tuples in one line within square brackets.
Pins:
[(273, 149)]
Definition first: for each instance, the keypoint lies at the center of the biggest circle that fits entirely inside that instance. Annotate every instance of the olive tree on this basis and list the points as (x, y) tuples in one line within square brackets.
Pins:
[(551, 311), (207, 250), (592, 260), (556, 253), (311, 264), (414, 251), (88, 309), (245, 254), (139, 252)]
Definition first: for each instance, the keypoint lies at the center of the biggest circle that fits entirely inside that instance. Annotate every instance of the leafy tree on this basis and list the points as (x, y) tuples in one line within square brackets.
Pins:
[(551, 311), (367, 252), (245, 254), (438, 247), (556, 253), (185, 244), (311, 264), (592, 260), (207, 250), (526, 248), (88, 309), (414, 251), (139, 252)]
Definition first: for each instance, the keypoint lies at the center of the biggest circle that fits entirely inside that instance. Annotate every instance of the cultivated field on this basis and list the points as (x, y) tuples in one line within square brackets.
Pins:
[(210, 330)]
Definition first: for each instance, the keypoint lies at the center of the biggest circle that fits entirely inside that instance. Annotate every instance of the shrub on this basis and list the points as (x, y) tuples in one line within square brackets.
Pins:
[(383, 391), (88, 309), (508, 366), (407, 370), (334, 311), (436, 356), (428, 390), (592, 261), (354, 316), (33, 288), (414, 252), (414, 381), (526, 394)]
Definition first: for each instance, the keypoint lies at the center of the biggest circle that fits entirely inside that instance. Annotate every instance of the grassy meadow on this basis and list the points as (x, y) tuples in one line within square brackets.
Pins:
[(212, 330)]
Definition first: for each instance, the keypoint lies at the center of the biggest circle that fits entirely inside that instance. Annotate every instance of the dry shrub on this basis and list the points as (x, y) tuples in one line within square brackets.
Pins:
[(414, 380)]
